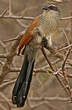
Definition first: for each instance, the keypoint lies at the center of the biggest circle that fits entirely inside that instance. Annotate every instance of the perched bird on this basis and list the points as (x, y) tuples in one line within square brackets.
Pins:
[(39, 33)]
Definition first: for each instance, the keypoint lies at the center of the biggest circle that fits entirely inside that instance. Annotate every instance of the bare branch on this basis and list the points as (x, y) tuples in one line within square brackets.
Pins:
[(16, 17), (6, 100), (21, 24), (27, 18), (62, 99), (57, 75), (67, 18), (66, 37), (10, 56), (63, 65), (3, 56), (64, 48), (43, 51), (69, 75), (10, 40), (1, 62), (4, 12), (10, 8), (3, 45), (7, 83)]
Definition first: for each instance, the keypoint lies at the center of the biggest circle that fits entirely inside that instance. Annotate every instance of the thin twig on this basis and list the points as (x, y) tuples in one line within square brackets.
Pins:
[(1, 62), (64, 74), (64, 48), (50, 106), (6, 100), (3, 45), (14, 38), (3, 56), (47, 59), (69, 75), (10, 56), (7, 83), (10, 40), (16, 17), (66, 18), (62, 99), (21, 23), (62, 84), (10, 8), (29, 18), (66, 37), (63, 65), (4, 12)]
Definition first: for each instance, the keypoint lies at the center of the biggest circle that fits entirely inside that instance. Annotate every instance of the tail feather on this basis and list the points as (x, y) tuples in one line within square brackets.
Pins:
[(22, 85), (22, 95), (20, 80)]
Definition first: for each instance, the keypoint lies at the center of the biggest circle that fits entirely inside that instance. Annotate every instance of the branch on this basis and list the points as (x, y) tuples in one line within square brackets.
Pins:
[(62, 99), (16, 17), (66, 37), (27, 18), (6, 100), (7, 83), (21, 17), (43, 51), (10, 40), (4, 12), (3, 56), (64, 48), (57, 75), (1, 62), (64, 74), (3, 46), (63, 65), (66, 18), (10, 55)]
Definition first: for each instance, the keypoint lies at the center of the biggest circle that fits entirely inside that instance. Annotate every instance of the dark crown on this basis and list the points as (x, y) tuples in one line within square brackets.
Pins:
[(50, 7)]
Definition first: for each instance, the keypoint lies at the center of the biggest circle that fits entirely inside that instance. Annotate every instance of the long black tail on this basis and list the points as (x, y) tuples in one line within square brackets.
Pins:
[(22, 84)]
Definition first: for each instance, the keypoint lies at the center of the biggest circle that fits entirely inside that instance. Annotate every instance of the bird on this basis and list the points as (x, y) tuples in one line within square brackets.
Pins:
[(38, 34)]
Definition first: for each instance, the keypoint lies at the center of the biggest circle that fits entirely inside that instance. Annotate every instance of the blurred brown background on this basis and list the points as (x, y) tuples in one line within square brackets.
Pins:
[(43, 84)]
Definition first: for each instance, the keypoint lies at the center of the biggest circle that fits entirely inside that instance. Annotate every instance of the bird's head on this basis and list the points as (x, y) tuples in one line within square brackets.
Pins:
[(50, 9)]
